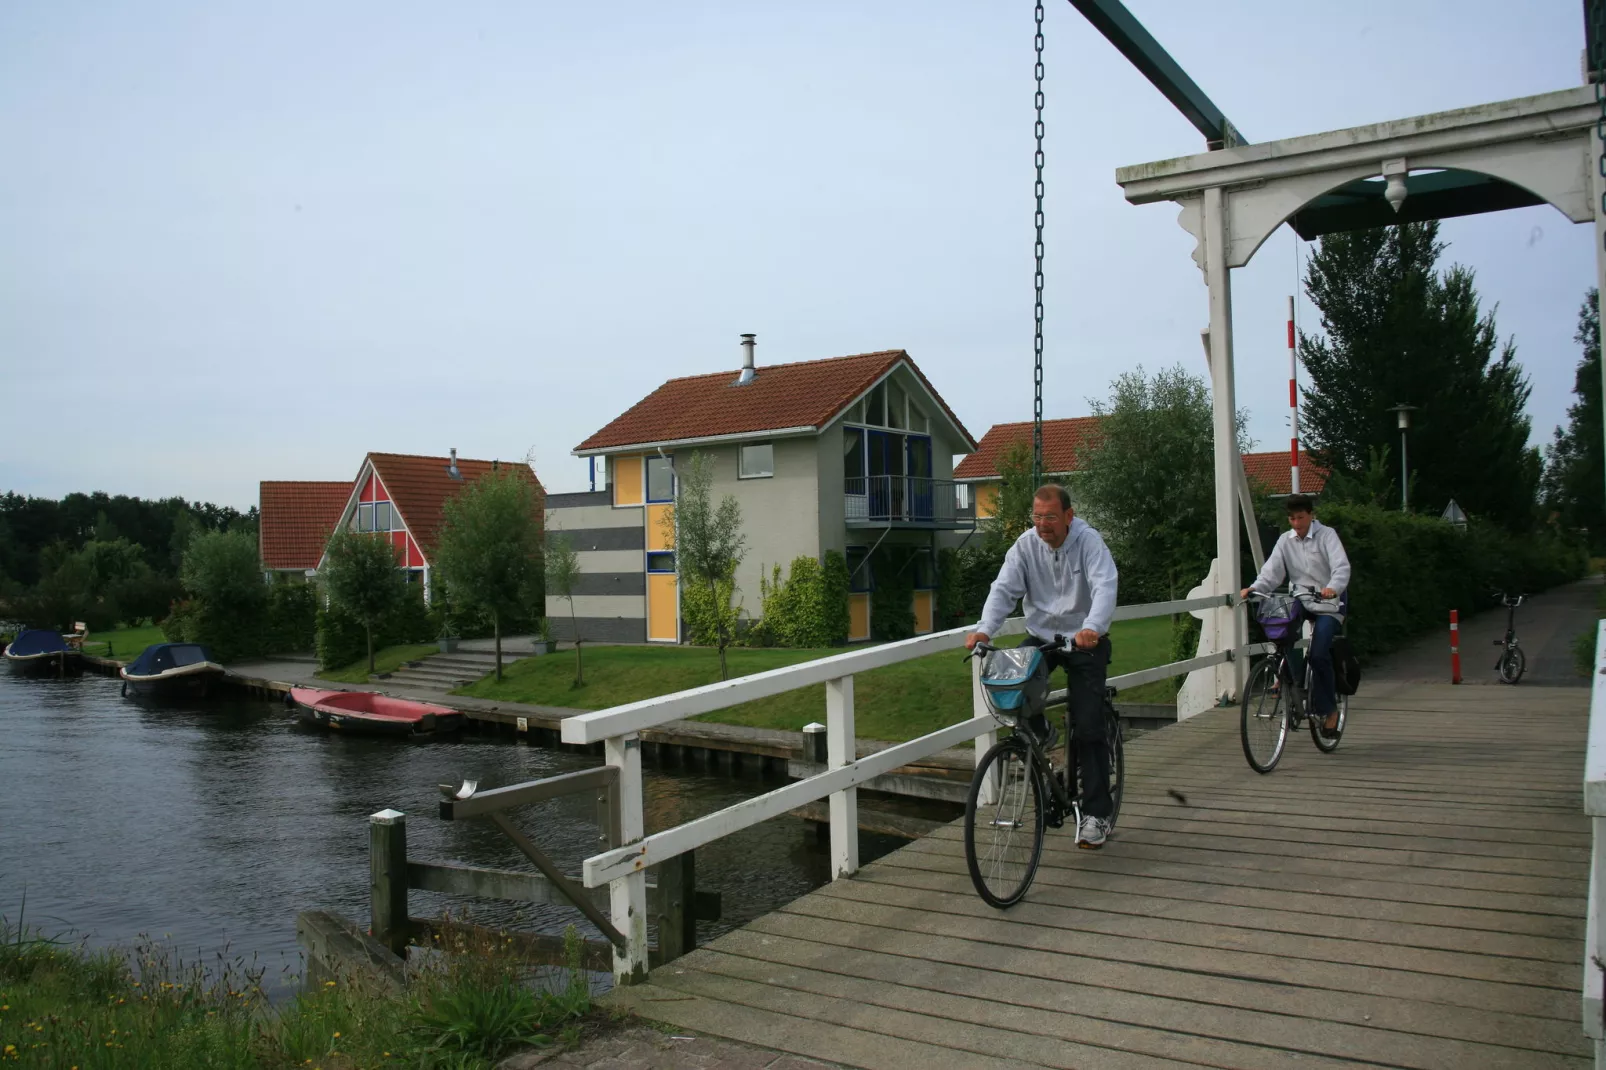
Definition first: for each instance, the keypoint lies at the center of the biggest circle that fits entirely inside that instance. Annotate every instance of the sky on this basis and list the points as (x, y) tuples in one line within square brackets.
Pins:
[(248, 241)]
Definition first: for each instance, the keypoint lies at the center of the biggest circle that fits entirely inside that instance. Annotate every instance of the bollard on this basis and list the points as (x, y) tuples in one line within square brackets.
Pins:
[(387, 879), (1455, 647), (814, 748)]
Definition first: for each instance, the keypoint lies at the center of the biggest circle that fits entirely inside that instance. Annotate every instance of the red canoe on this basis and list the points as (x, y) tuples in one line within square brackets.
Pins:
[(366, 712)]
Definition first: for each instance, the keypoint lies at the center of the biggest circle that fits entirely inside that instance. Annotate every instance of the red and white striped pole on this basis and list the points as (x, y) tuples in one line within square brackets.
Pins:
[(1293, 405), (1455, 647)]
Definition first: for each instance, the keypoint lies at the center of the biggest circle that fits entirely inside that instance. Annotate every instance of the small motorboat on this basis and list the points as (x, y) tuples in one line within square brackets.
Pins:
[(172, 670), (37, 652), (371, 714)]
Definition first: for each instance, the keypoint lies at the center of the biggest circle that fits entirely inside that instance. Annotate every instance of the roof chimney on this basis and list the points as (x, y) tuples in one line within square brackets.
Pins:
[(747, 360), (452, 469)]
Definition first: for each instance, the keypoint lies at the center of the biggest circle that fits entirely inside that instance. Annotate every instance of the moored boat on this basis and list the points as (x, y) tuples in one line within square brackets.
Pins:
[(37, 652), (371, 714), (171, 670)]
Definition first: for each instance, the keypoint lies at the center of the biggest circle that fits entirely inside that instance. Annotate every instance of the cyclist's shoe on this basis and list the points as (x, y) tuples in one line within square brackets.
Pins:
[(1093, 833), (1329, 727)]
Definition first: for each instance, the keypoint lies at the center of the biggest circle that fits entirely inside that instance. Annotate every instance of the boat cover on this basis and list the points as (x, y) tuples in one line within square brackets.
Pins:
[(159, 657), (33, 641)]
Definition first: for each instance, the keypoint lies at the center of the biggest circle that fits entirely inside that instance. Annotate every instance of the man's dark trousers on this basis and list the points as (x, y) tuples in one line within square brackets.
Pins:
[(1084, 674)]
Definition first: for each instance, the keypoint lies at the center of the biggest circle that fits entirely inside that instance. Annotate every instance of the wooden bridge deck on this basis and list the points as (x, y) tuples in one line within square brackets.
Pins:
[(1415, 899)]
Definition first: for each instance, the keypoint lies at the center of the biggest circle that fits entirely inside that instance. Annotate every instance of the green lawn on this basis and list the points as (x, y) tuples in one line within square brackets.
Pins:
[(386, 659), (893, 703), (125, 644)]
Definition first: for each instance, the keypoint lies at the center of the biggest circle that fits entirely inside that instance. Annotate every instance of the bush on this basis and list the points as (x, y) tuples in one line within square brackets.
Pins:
[(892, 613), (292, 620), (341, 639), (951, 590), (809, 609)]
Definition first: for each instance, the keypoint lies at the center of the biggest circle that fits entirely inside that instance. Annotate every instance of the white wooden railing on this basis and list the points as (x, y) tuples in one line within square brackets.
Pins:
[(624, 869), (1595, 806)]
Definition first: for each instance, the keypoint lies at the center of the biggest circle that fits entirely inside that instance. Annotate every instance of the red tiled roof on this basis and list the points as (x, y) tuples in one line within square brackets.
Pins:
[(1065, 442), (419, 487), (1271, 471), (296, 519), (805, 394)]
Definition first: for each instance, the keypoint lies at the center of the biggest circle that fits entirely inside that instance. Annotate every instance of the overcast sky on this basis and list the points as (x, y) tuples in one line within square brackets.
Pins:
[(248, 241)]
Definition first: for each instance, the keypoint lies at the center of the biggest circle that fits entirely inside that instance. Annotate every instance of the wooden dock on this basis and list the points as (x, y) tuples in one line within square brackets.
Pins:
[(1416, 899)]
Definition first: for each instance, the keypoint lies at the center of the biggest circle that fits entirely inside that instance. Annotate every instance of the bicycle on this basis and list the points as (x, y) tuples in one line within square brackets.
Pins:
[(1016, 794), (1512, 660), (1273, 701)]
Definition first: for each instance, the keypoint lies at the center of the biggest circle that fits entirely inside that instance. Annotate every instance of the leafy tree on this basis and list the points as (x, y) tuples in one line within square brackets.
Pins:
[(361, 575), (1015, 489), (490, 548), (562, 573), (222, 572), (1396, 330), (1148, 483), (708, 544), (1575, 473)]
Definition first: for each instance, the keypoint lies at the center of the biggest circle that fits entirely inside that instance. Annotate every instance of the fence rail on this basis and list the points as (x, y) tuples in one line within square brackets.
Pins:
[(1594, 1005), (623, 867)]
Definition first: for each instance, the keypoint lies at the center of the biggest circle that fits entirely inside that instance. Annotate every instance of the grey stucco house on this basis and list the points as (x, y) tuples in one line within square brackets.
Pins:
[(846, 454)]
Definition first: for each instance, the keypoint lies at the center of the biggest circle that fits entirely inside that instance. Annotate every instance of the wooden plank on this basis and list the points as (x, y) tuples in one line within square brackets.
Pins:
[(600, 778), (879, 821)]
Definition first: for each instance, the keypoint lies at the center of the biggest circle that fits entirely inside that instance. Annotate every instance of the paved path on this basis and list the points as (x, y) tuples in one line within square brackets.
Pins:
[(1415, 899)]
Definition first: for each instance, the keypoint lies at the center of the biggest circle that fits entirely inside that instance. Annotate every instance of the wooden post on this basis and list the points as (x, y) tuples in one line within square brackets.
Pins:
[(986, 741), (814, 749), (387, 879), (627, 895), (677, 920), (842, 749)]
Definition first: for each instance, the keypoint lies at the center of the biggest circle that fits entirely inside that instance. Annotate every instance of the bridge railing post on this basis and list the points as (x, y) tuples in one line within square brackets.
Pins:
[(627, 895), (841, 745), (1594, 990), (984, 741)]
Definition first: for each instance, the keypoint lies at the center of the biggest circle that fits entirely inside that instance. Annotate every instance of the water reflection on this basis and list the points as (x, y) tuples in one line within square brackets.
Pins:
[(216, 822)]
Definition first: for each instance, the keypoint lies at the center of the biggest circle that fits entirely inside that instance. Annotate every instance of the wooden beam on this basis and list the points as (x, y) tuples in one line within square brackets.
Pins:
[(532, 791), (878, 821)]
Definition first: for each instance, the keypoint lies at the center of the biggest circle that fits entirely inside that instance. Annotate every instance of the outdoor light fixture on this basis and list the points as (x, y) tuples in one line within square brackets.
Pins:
[(1402, 412)]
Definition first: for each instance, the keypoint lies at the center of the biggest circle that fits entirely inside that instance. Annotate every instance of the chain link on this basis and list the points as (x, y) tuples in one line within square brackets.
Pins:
[(1037, 311), (1597, 62)]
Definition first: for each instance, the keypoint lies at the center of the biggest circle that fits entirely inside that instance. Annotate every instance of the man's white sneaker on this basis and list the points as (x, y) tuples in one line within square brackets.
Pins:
[(1093, 833)]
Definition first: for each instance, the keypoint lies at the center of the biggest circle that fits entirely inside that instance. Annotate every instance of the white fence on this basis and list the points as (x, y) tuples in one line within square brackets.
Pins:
[(624, 869), (1595, 806)]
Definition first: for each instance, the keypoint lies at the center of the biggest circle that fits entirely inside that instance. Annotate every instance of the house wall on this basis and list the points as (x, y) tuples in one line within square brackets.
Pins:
[(610, 543)]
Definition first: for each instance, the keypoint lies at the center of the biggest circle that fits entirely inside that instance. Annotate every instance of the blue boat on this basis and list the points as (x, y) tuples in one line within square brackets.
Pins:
[(166, 670), (37, 652)]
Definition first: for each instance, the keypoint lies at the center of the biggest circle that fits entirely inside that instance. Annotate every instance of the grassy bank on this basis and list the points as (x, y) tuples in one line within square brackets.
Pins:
[(63, 1007), (388, 659), (896, 702), (124, 644)]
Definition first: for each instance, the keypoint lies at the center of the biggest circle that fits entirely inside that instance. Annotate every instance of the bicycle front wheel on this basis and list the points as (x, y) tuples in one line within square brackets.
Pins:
[(1263, 721), (1004, 833), (1512, 663)]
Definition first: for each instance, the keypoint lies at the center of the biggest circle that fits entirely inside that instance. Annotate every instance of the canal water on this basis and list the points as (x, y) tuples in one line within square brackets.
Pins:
[(211, 825)]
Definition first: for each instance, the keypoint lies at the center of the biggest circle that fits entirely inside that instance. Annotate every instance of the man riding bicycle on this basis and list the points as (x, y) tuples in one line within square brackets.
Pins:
[(1310, 555), (1066, 579)]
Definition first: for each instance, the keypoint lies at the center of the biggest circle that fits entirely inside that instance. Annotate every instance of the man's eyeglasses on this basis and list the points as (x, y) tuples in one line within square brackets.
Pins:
[(1047, 518)]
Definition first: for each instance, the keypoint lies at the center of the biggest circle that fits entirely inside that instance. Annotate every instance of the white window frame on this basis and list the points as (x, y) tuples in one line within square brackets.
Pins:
[(741, 461)]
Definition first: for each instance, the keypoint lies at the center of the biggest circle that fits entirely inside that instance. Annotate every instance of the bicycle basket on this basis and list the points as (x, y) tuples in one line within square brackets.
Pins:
[(1279, 616), (1015, 681)]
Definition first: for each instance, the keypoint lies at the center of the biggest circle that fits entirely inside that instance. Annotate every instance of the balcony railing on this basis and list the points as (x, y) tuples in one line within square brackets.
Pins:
[(911, 500)]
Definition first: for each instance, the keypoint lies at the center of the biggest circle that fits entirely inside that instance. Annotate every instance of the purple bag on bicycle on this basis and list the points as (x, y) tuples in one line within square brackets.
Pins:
[(1280, 616)]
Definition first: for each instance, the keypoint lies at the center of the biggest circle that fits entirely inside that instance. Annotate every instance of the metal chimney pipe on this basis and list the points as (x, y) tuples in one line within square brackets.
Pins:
[(748, 371), (451, 469)]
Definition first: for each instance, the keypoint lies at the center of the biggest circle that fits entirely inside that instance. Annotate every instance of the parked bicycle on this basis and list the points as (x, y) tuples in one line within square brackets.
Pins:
[(1017, 794), (1512, 660), (1277, 697)]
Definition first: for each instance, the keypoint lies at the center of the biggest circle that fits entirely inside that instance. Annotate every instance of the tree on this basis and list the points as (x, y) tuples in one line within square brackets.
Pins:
[(222, 572), (708, 544), (1395, 330), (1148, 483), (490, 548), (1575, 471), (360, 574), (1014, 508), (562, 573)]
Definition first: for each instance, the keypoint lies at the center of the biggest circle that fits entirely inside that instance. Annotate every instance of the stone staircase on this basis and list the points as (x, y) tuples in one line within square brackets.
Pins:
[(446, 672)]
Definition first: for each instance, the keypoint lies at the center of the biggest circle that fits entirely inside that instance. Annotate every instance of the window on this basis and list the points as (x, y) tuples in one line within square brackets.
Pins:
[(876, 408), (660, 480), (382, 516), (365, 517), (853, 459), (855, 413), (859, 578), (895, 404), (962, 495), (661, 561), (757, 461), (917, 420)]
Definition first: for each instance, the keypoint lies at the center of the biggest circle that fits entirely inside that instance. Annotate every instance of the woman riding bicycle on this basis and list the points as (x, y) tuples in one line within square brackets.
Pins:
[(1311, 555), (1064, 574)]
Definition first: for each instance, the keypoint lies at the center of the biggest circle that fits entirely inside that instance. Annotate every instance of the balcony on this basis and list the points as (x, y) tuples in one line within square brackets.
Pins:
[(904, 502)]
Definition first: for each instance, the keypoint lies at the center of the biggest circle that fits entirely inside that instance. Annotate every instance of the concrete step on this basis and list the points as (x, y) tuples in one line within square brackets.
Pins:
[(454, 679)]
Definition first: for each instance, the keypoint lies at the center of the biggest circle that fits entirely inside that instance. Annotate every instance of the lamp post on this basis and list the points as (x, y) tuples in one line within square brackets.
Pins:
[(1402, 412)]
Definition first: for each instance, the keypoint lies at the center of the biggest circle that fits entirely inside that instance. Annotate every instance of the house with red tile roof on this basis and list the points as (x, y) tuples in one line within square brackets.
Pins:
[(847, 454), (1067, 444), (295, 518)]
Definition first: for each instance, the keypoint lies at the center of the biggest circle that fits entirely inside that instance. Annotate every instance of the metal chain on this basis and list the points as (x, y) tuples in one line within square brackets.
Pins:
[(1037, 311), (1597, 61)]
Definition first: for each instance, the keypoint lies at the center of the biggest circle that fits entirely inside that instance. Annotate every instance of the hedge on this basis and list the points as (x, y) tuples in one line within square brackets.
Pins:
[(342, 639)]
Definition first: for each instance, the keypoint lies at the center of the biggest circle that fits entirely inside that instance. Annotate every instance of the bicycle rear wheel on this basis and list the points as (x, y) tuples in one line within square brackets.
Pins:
[(1263, 723), (1512, 663), (1117, 765), (1004, 838), (1328, 744)]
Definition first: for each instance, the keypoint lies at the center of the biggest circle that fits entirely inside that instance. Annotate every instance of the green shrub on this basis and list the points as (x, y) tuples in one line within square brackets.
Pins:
[(892, 613), (699, 607), (809, 609), (292, 621), (950, 590), (341, 639)]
